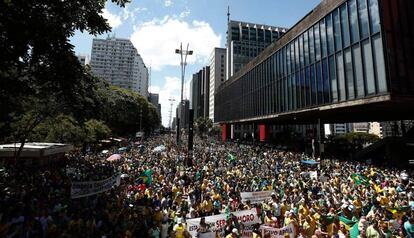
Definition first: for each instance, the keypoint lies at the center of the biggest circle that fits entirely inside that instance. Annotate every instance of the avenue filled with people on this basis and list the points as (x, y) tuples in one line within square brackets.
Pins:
[(155, 189)]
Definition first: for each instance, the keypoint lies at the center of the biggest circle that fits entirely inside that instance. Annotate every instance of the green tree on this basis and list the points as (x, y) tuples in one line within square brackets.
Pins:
[(95, 130), (40, 77), (203, 125), (64, 129)]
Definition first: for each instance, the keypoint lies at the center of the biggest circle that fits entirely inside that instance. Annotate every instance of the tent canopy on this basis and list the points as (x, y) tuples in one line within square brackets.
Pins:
[(114, 157)]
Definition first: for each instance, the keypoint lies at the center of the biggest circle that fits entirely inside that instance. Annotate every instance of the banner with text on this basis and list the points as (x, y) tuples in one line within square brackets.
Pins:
[(215, 223), (256, 197), (278, 232), (84, 189)]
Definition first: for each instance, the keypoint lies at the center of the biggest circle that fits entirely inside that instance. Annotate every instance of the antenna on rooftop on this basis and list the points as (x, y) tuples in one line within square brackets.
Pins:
[(228, 14)]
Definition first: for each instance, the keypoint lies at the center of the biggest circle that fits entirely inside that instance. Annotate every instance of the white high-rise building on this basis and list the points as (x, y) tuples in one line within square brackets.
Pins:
[(217, 75), (117, 61)]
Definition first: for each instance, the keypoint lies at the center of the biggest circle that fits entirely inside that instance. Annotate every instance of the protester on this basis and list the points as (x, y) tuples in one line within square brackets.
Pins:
[(161, 189)]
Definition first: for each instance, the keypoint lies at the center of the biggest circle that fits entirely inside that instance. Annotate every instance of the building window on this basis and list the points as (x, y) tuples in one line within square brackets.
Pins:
[(311, 46), (359, 74), (330, 34), (363, 19), (345, 28), (307, 87), (368, 67), (379, 64), (306, 48), (349, 74), (319, 84), (313, 85), (341, 76), (317, 42), (324, 48), (374, 16), (337, 30), (325, 79), (353, 18)]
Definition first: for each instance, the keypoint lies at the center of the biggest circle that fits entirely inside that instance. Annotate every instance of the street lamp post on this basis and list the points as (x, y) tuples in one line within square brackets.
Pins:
[(183, 54)]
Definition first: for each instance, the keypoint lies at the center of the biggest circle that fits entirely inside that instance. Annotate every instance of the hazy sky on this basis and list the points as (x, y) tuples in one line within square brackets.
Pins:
[(157, 27)]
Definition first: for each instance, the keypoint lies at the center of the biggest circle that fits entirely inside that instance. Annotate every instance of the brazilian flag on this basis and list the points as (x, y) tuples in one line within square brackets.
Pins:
[(398, 213), (146, 177), (360, 179), (354, 232), (348, 223), (231, 157)]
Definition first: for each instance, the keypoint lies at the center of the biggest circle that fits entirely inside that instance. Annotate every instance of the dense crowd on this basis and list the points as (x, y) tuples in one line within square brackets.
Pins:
[(161, 189)]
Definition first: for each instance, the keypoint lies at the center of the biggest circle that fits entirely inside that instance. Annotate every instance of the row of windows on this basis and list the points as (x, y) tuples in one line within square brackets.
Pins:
[(253, 34), (339, 58)]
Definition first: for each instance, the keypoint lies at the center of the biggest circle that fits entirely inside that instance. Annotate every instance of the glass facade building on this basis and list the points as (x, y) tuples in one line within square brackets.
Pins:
[(338, 57)]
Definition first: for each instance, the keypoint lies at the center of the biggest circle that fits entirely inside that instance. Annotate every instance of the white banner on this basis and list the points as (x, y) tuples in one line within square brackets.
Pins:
[(217, 222), (278, 232), (84, 189), (313, 175), (256, 197)]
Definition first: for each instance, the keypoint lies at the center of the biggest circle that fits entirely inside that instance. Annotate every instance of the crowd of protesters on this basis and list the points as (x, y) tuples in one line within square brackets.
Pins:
[(36, 202)]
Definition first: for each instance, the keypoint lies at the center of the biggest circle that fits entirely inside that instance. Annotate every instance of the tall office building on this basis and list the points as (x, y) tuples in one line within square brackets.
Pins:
[(118, 62), (199, 93), (153, 98), (183, 114), (217, 75), (245, 41)]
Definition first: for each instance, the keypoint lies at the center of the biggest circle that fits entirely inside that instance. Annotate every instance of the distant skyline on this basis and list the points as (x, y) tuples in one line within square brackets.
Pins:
[(157, 27)]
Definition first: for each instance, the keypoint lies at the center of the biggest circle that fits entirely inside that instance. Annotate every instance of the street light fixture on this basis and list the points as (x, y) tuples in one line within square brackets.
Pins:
[(183, 54)]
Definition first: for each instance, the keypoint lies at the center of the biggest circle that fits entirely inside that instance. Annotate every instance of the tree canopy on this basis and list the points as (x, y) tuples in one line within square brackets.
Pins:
[(45, 93)]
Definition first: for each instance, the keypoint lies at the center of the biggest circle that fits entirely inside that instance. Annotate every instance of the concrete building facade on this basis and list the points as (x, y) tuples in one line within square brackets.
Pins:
[(183, 112), (245, 41), (199, 93), (118, 62), (217, 75), (153, 98)]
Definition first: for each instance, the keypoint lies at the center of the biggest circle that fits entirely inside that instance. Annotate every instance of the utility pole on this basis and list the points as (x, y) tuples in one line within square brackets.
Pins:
[(183, 54), (172, 100)]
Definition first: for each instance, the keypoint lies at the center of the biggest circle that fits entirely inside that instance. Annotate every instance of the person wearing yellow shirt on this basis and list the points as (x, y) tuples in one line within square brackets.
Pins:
[(175, 189), (149, 192), (216, 196), (157, 216), (179, 229), (308, 227), (204, 185), (207, 206)]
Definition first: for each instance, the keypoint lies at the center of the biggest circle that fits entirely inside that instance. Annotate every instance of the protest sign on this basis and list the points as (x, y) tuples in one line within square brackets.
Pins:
[(217, 222), (255, 197), (84, 189), (278, 232)]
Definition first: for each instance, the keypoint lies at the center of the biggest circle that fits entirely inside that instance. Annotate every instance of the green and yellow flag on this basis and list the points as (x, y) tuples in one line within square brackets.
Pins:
[(361, 179), (398, 213), (146, 176), (346, 222)]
